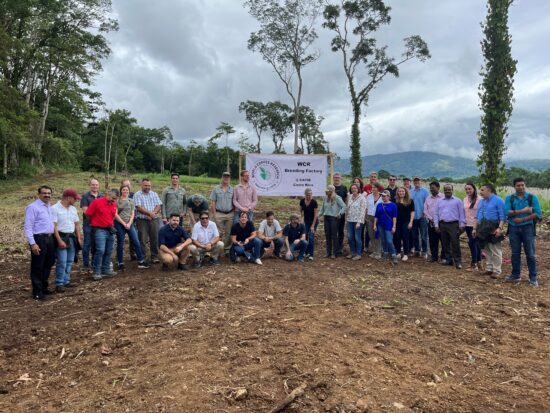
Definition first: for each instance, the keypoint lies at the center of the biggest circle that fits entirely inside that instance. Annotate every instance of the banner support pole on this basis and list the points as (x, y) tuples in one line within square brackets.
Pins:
[(240, 162), (331, 157)]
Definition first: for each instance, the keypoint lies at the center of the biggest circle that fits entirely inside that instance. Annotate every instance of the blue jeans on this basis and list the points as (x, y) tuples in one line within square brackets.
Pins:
[(420, 233), (310, 250), (65, 259), (249, 214), (523, 234), (104, 243), (255, 246), (87, 230), (355, 238), (301, 247), (475, 251), (277, 245), (386, 237), (121, 232)]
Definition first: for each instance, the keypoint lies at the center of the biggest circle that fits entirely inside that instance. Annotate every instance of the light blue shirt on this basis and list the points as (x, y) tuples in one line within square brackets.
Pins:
[(520, 203), (491, 209), (419, 196)]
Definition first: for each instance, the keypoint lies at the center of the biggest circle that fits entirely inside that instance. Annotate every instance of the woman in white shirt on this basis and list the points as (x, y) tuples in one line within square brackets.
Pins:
[(373, 200), (355, 216)]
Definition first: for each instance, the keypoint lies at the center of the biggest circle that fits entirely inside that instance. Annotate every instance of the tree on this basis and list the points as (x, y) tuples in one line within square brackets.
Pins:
[(354, 23), (225, 129), (310, 132), (287, 32), (255, 114), (496, 90), (279, 123)]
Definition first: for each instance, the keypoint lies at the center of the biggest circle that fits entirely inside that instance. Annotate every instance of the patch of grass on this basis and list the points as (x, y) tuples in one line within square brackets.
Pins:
[(446, 301)]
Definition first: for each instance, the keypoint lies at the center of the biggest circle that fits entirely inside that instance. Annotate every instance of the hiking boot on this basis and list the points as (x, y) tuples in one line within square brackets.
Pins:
[(97, 276), (59, 289), (109, 274), (71, 284), (214, 262), (356, 258), (512, 279), (143, 265), (394, 260), (533, 283)]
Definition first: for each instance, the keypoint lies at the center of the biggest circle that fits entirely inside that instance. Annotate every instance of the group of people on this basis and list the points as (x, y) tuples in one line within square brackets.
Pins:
[(390, 223)]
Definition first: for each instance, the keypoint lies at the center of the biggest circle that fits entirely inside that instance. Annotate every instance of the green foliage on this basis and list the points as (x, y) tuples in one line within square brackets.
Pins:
[(496, 90), (354, 23)]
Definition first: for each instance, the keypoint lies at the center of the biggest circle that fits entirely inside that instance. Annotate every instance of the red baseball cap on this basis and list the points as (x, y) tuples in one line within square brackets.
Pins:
[(72, 193)]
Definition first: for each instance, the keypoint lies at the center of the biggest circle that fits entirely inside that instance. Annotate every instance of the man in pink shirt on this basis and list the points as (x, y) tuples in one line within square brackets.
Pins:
[(429, 213), (245, 198)]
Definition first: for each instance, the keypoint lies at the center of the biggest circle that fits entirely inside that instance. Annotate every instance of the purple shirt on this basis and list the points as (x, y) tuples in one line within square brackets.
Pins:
[(38, 220), (449, 210)]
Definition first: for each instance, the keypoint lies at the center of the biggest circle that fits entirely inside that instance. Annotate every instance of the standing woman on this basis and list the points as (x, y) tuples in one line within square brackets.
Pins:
[(333, 208), (357, 181), (385, 221), (471, 203), (405, 217), (355, 215), (310, 217), (373, 199), (124, 224)]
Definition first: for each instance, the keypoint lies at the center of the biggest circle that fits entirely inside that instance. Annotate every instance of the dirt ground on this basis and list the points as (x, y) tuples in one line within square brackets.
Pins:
[(361, 336)]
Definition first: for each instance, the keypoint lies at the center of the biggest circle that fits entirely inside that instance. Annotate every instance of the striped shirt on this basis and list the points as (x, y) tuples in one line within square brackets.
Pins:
[(148, 201)]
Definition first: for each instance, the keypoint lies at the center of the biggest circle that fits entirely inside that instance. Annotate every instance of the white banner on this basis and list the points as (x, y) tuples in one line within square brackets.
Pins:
[(290, 175)]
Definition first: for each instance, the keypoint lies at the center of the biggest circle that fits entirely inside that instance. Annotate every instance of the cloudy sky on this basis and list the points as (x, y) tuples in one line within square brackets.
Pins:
[(185, 64)]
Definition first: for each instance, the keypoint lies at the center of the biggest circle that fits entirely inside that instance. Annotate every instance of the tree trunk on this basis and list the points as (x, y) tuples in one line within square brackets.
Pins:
[(355, 144), (42, 126), (5, 165), (190, 161), (297, 113)]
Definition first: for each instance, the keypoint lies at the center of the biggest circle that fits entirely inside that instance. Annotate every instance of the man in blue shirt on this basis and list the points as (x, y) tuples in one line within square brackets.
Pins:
[(174, 244), (523, 210), (488, 228), (420, 225), (295, 234)]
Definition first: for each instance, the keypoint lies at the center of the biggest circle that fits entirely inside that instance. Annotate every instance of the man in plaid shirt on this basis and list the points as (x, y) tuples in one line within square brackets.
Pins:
[(148, 219)]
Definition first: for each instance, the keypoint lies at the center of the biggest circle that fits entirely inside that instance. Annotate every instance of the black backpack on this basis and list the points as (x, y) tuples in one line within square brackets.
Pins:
[(530, 203)]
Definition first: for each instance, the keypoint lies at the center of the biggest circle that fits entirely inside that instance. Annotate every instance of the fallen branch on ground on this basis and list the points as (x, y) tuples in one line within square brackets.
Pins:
[(297, 392)]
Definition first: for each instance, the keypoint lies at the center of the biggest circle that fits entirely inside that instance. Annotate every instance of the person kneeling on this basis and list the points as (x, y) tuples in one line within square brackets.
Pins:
[(174, 244), (244, 241), (206, 240), (271, 234), (295, 234)]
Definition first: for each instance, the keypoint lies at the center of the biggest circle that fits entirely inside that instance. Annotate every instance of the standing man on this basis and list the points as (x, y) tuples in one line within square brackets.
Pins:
[(392, 187), (195, 206), (450, 222), (523, 211), (173, 200), (295, 238), (342, 192), (429, 212), (221, 206), (489, 228), (67, 234), (420, 225), (102, 215), (174, 244), (85, 202), (245, 198), (148, 205), (373, 180), (206, 240), (407, 183), (270, 233), (39, 228)]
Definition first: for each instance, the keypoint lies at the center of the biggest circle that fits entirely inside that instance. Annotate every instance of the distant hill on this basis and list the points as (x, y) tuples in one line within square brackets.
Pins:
[(426, 164)]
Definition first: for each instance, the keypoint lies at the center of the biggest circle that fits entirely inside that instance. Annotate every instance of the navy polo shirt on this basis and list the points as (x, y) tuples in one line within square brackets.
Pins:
[(294, 233), (172, 237)]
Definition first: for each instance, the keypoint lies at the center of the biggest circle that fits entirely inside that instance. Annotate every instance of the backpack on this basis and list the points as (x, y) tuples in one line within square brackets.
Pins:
[(530, 204)]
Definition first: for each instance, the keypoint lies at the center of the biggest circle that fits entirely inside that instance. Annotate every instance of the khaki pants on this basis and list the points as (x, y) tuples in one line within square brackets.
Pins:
[(169, 258), (494, 257), (148, 233), (224, 221), (214, 253), (375, 244)]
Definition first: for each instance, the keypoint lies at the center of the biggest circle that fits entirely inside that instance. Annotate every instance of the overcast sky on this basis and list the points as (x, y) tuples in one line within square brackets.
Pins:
[(185, 64)]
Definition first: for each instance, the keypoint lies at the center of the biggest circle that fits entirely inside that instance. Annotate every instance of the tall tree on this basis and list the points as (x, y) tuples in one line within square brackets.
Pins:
[(255, 114), (312, 139), (287, 32), (496, 90), (225, 129), (279, 123), (355, 23)]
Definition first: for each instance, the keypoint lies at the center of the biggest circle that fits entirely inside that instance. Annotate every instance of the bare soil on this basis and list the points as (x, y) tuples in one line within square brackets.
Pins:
[(362, 336)]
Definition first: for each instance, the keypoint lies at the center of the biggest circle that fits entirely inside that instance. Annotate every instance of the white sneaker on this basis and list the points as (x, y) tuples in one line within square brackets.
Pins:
[(258, 261), (405, 258)]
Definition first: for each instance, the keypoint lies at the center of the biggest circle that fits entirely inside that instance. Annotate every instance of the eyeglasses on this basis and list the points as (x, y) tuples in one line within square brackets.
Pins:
[(204, 218), (392, 179)]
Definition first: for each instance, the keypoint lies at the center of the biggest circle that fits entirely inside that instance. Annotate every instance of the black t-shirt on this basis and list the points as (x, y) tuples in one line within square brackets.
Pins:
[(294, 233), (342, 192), (404, 212), (242, 233), (393, 193), (308, 209)]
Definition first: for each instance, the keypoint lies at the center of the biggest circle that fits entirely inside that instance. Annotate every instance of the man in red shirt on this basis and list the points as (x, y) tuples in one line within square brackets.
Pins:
[(102, 214), (373, 177)]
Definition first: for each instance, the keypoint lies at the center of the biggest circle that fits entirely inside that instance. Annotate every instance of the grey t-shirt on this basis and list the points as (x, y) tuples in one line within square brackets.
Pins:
[(125, 208), (270, 231)]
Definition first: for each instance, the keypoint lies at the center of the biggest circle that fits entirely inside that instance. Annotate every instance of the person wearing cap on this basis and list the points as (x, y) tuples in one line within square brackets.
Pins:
[(148, 219), (342, 191), (39, 229), (124, 224), (385, 221), (355, 214), (373, 241), (434, 236), (270, 233), (174, 199), (309, 210), (295, 238), (450, 222), (221, 207), (67, 234), (333, 209), (85, 202), (245, 198), (420, 224), (195, 205), (102, 214)]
